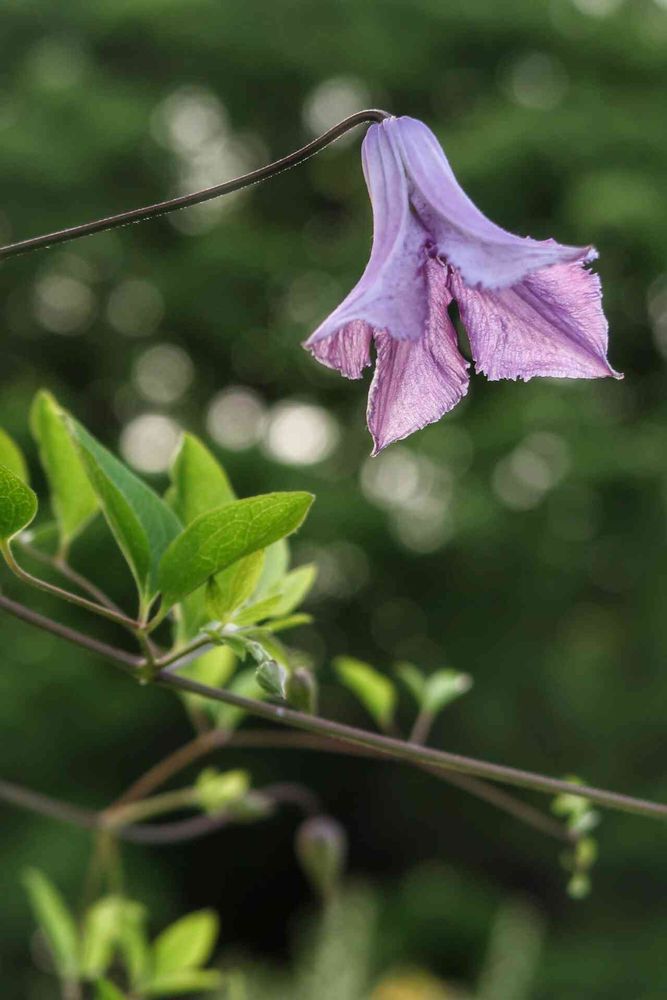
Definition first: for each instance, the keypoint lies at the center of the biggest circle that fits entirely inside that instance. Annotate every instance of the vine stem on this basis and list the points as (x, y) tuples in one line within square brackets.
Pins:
[(207, 194), (64, 595), (386, 746), (218, 739), (390, 747), (174, 832)]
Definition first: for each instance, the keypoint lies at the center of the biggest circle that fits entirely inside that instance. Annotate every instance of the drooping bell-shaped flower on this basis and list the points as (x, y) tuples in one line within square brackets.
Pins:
[(529, 307)]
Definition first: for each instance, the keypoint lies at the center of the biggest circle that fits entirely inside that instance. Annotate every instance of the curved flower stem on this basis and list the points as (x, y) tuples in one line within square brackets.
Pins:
[(65, 595), (386, 746), (185, 201)]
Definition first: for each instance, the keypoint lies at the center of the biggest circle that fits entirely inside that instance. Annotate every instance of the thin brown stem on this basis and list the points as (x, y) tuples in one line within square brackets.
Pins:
[(64, 595), (118, 656), (148, 833), (61, 566), (400, 750), (384, 745), (185, 201)]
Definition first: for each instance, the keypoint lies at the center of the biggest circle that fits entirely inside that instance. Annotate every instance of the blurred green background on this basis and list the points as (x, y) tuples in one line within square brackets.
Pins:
[(521, 539)]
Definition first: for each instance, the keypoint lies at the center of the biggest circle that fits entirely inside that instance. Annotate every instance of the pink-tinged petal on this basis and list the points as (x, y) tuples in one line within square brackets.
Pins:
[(348, 350), (551, 323), (391, 294), (486, 255), (417, 382)]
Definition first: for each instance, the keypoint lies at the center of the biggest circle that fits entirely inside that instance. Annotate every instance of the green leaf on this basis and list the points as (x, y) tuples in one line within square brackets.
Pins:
[(18, 504), (257, 612), (375, 691), (215, 540), (230, 589), (142, 524), (133, 942), (283, 597), (444, 687), (12, 458), (276, 562), (435, 691), (72, 497), (413, 679), (105, 990), (292, 621), (199, 482), (55, 921), (184, 981), (186, 944), (100, 931)]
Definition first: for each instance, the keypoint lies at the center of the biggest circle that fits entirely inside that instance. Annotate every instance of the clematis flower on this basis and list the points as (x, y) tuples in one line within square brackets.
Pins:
[(529, 307)]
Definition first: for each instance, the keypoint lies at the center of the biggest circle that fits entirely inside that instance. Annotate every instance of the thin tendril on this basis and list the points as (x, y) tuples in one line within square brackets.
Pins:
[(186, 200)]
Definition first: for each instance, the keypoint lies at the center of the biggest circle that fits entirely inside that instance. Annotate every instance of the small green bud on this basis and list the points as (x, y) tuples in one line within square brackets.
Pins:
[(272, 678), (579, 886), (218, 790), (301, 690), (321, 848)]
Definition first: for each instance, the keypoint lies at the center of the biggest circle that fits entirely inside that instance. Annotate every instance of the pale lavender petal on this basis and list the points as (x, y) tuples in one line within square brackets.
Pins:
[(391, 294), (348, 350), (485, 254), (417, 382), (551, 323)]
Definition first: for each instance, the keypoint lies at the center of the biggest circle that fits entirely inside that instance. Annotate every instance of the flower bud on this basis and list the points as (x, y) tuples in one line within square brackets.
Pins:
[(272, 678), (301, 690), (321, 848)]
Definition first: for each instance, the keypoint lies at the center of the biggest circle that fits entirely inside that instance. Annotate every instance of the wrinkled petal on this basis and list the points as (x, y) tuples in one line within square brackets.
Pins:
[(417, 382), (551, 323), (485, 254), (391, 294), (348, 350)]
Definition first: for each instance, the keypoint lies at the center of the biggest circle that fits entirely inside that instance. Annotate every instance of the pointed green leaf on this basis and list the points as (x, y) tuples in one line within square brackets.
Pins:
[(443, 687), (72, 497), (293, 588), (186, 944), (185, 981), (215, 540), (276, 563), (142, 524), (101, 927), (414, 681), (199, 482), (133, 942), (257, 612), (375, 691), (12, 458), (18, 504), (106, 990), (55, 920), (230, 589)]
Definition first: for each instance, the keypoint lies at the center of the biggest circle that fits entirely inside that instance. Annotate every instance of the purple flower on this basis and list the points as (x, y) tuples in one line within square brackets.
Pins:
[(530, 307)]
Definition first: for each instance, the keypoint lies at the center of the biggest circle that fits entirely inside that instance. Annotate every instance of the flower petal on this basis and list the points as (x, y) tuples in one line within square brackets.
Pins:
[(417, 382), (391, 294), (348, 350), (551, 323), (485, 254)]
